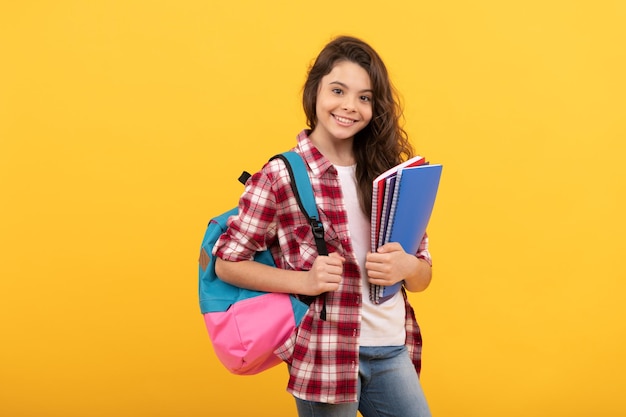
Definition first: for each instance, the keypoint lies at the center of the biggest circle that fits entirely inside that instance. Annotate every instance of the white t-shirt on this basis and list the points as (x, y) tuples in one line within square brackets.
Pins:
[(382, 324)]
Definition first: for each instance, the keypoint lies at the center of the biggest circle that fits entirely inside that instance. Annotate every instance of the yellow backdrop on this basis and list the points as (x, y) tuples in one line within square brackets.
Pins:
[(123, 127)]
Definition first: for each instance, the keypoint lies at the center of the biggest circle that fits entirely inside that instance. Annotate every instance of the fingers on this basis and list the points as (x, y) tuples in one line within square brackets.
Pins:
[(390, 247), (378, 271), (332, 265), (326, 273), (336, 256), (385, 265)]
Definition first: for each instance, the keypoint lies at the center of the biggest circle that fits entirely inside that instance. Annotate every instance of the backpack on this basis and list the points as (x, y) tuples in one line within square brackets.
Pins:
[(246, 326)]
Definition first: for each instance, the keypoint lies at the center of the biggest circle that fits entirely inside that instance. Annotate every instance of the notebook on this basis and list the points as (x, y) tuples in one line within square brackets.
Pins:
[(412, 199), (378, 195)]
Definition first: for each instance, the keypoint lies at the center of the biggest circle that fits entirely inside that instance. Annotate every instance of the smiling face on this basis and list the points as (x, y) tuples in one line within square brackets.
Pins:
[(344, 103)]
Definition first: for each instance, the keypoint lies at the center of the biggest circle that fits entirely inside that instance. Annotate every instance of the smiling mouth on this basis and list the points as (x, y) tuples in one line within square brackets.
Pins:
[(344, 120)]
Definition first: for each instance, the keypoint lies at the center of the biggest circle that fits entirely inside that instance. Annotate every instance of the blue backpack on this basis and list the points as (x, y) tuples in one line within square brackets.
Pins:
[(245, 326)]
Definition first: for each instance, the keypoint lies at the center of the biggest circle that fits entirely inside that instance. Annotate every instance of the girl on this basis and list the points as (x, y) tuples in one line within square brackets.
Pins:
[(359, 356)]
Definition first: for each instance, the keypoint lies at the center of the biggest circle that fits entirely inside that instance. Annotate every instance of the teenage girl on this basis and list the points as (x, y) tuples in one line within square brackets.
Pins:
[(359, 355)]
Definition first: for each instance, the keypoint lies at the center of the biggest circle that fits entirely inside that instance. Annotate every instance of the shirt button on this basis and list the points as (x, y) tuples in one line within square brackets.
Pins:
[(354, 332)]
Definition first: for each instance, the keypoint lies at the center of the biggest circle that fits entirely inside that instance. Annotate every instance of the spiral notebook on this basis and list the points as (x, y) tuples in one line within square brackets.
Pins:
[(379, 189), (403, 214)]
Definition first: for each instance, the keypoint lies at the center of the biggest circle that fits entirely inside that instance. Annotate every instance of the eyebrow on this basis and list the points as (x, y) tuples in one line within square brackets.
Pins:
[(346, 87)]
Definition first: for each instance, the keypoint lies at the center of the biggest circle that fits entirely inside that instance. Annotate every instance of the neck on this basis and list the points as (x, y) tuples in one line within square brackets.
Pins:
[(337, 152)]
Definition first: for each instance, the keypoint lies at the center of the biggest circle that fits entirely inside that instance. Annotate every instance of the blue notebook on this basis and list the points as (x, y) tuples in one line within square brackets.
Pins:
[(412, 202), (378, 193)]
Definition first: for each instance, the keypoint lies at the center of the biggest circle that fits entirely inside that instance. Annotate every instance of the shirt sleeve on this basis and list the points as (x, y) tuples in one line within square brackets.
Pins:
[(422, 251), (254, 226)]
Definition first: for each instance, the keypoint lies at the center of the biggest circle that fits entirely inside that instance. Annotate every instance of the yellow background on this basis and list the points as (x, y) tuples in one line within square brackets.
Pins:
[(123, 127)]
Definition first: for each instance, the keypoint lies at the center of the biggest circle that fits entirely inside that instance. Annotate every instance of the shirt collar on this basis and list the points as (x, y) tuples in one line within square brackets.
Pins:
[(318, 163)]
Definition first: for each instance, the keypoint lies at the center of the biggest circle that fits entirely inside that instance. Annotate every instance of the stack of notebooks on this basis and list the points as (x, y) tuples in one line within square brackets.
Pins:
[(402, 202)]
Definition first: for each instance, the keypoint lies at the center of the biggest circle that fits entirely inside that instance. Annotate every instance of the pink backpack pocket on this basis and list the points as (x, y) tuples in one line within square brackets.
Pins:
[(246, 335)]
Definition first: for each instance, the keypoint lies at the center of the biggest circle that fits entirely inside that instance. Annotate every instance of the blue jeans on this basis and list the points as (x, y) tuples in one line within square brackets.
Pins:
[(388, 387)]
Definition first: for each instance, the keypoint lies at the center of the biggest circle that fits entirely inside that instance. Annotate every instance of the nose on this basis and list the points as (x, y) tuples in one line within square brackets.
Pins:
[(349, 103)]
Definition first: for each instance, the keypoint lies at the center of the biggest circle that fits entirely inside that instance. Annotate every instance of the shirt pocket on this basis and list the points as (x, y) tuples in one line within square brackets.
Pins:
[(302, 259)]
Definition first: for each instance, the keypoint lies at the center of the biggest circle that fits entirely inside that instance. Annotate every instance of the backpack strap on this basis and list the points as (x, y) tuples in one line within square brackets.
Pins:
[(303, 191)]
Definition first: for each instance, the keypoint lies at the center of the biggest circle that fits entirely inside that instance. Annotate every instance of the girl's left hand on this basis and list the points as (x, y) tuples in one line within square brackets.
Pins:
[(390, 264)]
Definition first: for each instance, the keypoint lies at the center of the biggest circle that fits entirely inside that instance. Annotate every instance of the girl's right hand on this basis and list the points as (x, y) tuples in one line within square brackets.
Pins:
[(325, 274)]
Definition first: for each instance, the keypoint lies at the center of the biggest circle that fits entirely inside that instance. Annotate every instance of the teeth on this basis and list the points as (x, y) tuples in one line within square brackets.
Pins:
[(344, 120)]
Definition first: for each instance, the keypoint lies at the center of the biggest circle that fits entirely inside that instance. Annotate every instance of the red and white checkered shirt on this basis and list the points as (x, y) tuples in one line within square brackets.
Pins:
[(322, 355)]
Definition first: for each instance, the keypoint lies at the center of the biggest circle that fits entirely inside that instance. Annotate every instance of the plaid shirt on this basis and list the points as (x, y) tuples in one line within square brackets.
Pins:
[(322, 355)]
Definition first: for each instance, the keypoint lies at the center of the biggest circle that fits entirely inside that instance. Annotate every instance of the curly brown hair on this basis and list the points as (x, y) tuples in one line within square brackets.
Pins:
[(383, 143)]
